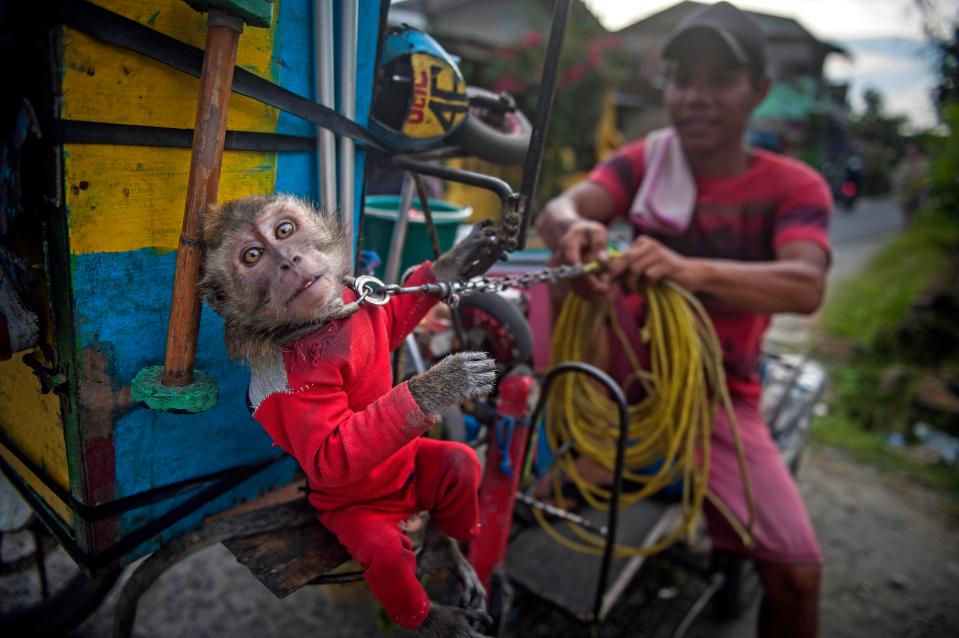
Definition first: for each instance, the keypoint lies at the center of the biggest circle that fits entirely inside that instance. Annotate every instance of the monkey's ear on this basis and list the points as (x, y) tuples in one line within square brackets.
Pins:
[(213, 293), (210, 222)]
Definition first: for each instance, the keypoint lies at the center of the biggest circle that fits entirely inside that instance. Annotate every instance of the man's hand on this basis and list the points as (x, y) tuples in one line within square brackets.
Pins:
[(585, 241), (648, 260), (574, 226)]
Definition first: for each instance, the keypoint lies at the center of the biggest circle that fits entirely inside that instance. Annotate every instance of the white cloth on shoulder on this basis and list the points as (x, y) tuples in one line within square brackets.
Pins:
[(667, 196)]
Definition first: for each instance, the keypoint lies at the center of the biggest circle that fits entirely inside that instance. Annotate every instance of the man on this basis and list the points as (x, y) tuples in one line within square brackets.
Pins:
[(755, 243)]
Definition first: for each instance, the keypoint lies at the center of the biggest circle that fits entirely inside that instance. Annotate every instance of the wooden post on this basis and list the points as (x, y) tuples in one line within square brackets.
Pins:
[(216, 80)]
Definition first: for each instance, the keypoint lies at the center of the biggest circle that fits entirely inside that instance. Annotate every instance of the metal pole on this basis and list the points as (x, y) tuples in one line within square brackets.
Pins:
[(347, 64), (209, 134), (391, 273), (544, 106), (324, 82)]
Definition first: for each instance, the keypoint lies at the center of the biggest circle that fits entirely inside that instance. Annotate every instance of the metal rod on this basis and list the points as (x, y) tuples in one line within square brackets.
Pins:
[(173, 551), (711, 590), (487, 182), (617, 394), (136, 537), (347, 66), (216, 80), (325, 91), (427, 214), (40, 559), (391, 272), (559, 512), (544, 106)]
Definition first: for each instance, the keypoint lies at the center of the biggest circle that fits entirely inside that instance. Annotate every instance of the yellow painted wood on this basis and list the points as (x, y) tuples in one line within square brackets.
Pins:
[(103, 83), (124, 198), (32, 420)]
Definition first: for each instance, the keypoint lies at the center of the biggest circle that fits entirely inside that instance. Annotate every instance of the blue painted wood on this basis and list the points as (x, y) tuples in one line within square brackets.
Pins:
[(127, 332)]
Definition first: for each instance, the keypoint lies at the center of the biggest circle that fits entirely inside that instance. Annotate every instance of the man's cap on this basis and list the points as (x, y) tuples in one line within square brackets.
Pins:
[(739, 32)]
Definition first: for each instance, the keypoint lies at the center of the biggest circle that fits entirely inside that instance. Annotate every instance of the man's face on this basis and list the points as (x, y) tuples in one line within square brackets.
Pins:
[(709, 97)]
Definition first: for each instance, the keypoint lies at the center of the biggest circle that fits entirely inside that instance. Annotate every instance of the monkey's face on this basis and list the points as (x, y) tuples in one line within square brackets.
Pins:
[(283, 263)]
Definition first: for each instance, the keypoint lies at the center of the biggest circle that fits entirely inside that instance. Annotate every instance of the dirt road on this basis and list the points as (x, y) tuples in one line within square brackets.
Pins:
[(891, 549)]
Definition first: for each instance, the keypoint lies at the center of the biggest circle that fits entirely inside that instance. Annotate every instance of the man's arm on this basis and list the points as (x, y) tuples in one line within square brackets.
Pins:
[(573, 225), (794, 282)]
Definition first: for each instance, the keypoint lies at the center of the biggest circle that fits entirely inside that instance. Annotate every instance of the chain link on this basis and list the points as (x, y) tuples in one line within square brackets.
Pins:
[(372, 290)]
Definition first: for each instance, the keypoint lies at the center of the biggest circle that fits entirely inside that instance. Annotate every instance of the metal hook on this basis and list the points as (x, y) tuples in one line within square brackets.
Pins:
[(366, 286)]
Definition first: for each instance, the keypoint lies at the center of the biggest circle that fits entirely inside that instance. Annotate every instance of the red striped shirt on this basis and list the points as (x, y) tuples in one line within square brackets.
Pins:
[(746, 217)]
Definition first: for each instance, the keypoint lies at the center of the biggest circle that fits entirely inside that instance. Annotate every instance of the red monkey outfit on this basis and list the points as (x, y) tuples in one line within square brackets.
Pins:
[(328, 400)]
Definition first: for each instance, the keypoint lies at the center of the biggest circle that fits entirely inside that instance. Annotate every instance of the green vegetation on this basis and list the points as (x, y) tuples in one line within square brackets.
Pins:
[(880, 296), (873, 448), (899, 342), (873, 391)]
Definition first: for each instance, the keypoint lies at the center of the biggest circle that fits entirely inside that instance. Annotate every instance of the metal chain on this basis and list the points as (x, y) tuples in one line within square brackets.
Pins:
[(372, 290)]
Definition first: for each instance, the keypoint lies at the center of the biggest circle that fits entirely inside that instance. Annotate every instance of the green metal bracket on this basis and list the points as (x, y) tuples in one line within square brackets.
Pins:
[(256, 13), (147, 387)]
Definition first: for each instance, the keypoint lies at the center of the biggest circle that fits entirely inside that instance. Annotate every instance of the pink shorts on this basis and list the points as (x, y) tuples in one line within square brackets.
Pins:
[(783, 532)]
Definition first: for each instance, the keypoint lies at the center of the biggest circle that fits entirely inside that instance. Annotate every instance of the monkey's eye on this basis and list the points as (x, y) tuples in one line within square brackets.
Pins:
[(252, 255), (284, 230)]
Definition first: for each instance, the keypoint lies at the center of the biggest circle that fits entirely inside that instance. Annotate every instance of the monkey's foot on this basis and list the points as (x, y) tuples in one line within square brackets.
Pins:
[(441, 553), (414, 524), (453, 622), (474, 594)]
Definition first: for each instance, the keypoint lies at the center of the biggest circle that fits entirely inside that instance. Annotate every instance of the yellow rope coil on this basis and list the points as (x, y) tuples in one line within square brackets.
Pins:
[(671, 425)]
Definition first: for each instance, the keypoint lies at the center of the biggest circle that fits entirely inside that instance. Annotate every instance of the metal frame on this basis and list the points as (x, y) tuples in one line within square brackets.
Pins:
[(222, 482), (613, 519)]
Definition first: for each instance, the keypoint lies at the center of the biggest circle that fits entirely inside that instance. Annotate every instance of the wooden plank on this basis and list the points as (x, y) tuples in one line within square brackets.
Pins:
[(32, 420), (289, 558), (103, 83), (125, 198)]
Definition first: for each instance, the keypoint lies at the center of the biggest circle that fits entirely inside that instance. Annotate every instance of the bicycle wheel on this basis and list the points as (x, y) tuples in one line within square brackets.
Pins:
[(493, 324)]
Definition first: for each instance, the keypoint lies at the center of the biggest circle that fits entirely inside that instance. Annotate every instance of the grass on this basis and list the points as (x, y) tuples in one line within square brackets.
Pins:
[(867, 308), (880, 296), (872, 448)]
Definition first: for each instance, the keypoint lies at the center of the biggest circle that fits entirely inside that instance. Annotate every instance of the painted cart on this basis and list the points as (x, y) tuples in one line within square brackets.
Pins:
[(92, 220), (96, 226)]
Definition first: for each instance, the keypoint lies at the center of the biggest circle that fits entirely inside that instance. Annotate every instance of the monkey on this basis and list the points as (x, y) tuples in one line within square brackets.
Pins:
[(320, 385)]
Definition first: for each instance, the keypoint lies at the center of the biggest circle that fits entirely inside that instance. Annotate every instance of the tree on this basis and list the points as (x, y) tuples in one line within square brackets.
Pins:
[(880, 140), (591, 63), (944, 168)]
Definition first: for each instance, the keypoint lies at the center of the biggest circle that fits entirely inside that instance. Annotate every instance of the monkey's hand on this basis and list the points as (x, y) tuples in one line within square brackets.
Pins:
[(441, 553), (471, 257), (458, 377), (453, 622)]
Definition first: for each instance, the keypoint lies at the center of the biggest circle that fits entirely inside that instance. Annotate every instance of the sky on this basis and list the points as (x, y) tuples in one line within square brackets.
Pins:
[(885, 38)]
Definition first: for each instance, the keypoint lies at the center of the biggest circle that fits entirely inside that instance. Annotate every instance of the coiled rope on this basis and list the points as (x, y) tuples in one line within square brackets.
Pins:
[(670, 427)]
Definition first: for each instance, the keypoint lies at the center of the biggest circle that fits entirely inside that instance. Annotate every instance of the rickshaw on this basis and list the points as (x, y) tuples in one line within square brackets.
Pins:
[(119, 427), (129, 436)]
